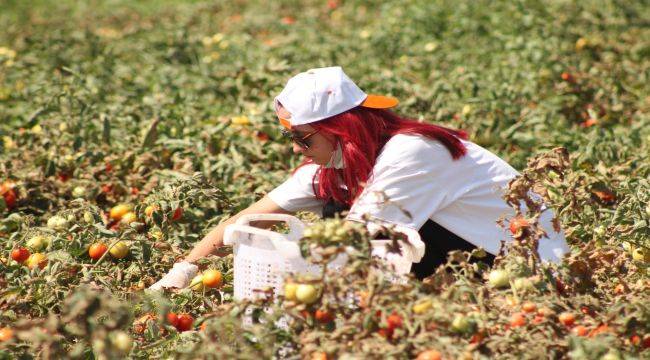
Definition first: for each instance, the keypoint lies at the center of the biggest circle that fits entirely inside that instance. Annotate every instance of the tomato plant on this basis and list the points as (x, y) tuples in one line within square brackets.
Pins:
[(141, 126)]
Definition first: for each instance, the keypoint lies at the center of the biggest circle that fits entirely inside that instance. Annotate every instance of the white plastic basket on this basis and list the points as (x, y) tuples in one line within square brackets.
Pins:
[(263, 258)]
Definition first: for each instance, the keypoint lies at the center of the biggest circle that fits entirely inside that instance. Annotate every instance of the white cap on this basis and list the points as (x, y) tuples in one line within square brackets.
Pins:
[(320, 93)]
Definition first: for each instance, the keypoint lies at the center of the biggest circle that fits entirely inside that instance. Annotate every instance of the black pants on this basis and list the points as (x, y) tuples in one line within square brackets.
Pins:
[(438, 241)]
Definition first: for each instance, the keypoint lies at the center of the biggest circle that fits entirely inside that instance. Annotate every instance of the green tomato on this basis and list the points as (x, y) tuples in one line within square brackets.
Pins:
[(611, 355), (119, 250), (39, 242), (57, 223), (197, 283), (306, 293), (88, 217), (462, 324), (122, 342), (499, 278), (523, 284), (641, 254), (79, 192)]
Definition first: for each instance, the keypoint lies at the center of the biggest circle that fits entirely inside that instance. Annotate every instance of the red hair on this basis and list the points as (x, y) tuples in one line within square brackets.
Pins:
[(363, 132)]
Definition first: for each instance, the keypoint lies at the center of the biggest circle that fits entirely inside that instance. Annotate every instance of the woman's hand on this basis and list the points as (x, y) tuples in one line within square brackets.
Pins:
[(178, 277)]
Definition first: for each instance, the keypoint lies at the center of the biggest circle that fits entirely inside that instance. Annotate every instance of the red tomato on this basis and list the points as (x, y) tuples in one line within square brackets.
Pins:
[(63, 176), (7, 191), (185, 322), (107, 188), (20, 254), (178, 213), (477, 338), (323, 316), (384, 332)]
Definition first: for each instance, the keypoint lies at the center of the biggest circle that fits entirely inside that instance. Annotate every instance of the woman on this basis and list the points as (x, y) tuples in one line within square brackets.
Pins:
[(362, 157)]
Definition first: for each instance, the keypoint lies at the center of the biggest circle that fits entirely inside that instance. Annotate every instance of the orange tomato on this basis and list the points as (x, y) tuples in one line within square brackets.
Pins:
[(363, 299), (319, 355), (429, 355), (518, 224), (148, 211), (172, 319), (96, 250), (288, 20), (567, 318), (394, 321), (567, 77), (580, 330), (619, 289), (118, 211), (601, 329), (36, 259), (6, 334), (517, 320), (529, 307), (212, 278)]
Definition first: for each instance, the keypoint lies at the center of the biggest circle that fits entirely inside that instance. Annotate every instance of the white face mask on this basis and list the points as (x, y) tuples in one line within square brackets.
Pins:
[(336, 161)]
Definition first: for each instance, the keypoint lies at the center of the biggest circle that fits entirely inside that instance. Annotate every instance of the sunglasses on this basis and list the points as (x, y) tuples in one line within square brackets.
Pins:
[(300, 140)]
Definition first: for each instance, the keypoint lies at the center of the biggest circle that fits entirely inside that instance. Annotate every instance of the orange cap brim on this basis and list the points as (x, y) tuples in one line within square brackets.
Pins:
[(286, 123), (379, 102)]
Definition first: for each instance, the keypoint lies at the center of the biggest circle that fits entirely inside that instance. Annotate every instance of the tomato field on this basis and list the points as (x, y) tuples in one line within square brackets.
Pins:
[(129, 129)]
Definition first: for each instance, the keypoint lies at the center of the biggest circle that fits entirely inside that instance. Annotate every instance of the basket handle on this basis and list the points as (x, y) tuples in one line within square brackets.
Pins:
[(289, 249), (414, 244), (296, 227)]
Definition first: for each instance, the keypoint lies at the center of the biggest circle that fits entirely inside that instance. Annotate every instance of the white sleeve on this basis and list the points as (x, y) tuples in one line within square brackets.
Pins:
[(416, 181), (297, 192)]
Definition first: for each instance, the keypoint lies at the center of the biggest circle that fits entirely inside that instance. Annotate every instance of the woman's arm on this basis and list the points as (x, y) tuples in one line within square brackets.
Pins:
[(214, 239), (183, 271)]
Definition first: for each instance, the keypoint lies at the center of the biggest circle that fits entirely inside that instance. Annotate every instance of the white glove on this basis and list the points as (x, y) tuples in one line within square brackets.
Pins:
[(178, 277)]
